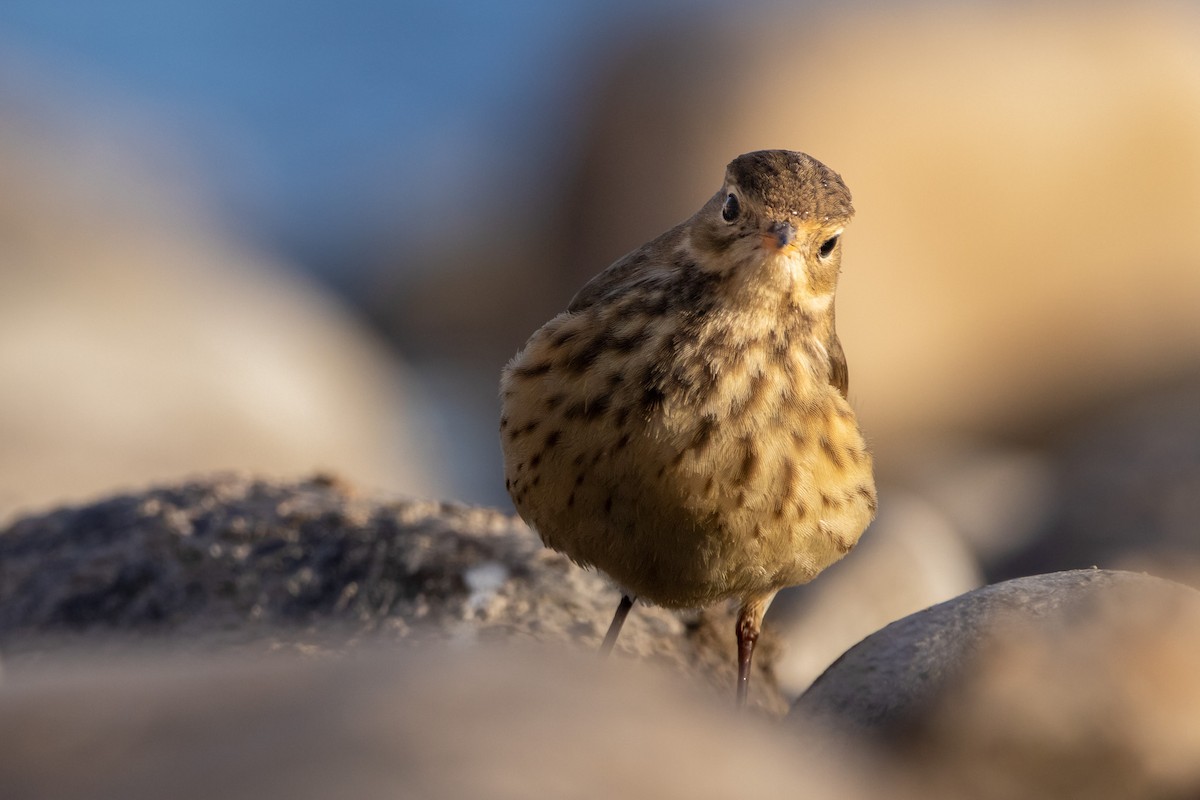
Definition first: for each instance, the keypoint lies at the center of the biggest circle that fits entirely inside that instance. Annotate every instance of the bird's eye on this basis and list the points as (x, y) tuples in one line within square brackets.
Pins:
[(827, 247), (731, 209)]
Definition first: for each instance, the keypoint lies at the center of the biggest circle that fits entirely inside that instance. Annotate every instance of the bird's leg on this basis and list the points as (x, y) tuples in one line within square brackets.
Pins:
[(749, 623), (614, 628)]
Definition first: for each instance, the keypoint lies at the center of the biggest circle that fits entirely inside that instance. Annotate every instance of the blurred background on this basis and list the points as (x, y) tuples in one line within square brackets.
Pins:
[(284, 237)]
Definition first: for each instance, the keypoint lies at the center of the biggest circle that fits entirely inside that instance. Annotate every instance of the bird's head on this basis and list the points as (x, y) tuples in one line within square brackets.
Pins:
[(776, 221)]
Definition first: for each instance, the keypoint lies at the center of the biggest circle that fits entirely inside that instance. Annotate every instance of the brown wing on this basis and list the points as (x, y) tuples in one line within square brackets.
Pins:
[(621, 272), (839, 373)]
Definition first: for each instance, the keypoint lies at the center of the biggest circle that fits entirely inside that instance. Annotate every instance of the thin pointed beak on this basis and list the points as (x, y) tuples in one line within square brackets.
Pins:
[(780, 235)]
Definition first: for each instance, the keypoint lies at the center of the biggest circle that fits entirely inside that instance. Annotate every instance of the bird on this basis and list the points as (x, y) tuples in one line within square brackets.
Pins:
[(683, 426)]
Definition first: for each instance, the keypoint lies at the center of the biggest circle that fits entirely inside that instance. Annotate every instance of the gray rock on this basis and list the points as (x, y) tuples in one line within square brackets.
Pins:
[(234, 561), (892, 681)]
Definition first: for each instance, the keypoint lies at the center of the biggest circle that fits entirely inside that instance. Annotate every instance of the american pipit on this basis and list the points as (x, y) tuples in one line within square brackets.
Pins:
[(683, 425)]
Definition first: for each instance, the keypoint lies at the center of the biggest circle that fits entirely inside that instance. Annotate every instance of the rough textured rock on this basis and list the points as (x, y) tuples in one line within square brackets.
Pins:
[(894, 680), (235, 560)]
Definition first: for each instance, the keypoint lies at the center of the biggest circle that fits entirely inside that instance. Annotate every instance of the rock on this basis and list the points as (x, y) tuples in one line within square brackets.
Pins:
[(235, 561), (140, 341), (448, 720), (1129, 491), (896, 679), (1097, 700)]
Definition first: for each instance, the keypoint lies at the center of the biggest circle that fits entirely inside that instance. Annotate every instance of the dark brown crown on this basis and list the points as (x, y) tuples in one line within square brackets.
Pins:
[(788, 182)]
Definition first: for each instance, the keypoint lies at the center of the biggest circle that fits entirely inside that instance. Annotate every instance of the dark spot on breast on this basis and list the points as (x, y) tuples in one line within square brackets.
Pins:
[(710, 484), (833, 453), (787, 478), (740, 500), (555, 400), (531, 370), (703, 433), (579, 479), (622, 442), (654, 304), (571, 500), (614, 379), (749, 465), (583, 357), (830, 502), (781, 355), (868, 494), (503, 423), (535, 461), (631, 341), (552, 438), (608, 504), (652, 400), (524, 429), (564, 336), (753, 399), (591, 409)]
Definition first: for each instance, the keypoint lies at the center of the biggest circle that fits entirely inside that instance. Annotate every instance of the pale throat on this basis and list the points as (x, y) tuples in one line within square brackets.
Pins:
[(766, 278)]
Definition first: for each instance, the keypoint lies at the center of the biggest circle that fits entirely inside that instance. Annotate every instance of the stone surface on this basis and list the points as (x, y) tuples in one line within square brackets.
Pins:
[(1095, 700), (451, 720), (894, 679), (236, 561)]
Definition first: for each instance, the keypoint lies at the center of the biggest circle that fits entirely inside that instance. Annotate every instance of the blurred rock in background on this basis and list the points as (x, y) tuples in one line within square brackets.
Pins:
[(140, 342), (1129, 490)]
